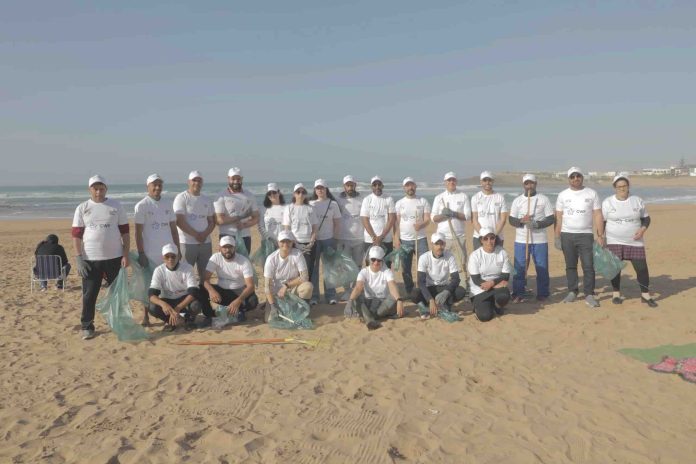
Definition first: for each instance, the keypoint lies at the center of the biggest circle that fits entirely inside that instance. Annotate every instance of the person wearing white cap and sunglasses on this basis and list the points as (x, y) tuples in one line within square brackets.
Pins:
[(375, 295), (438, 278), (626, 220), (236, 210), (488, 209), (101, 238), (578, 215), (273, 210), (195, 219), (173, 291), (329, 216), (299, 219), (451, 211), (378, 215), (285, 271), (412, 218), (531, 213), (489, 270), (351, 233), (235, 281), (155, 226)]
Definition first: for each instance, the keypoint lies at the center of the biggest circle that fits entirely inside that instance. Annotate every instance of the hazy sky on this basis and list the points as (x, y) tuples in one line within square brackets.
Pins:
[(302, 89)]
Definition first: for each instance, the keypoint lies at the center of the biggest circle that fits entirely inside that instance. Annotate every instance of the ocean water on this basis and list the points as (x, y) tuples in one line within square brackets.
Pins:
[(60, 201)]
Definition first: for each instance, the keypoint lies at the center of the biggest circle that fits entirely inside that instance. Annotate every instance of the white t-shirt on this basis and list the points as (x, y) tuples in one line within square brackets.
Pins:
[(196, 211), (409, 210), (377, 210), (273, 219), (539, 208), (376, 282), (577, 207), (300, 218), (489, 265), (330, 208), (351, 224), (457, 202), (173, 284), (101, 239), (623, 220), (240, 205), (489, 209), (437, 270), (155, 217), (281, 270), (230, 274)]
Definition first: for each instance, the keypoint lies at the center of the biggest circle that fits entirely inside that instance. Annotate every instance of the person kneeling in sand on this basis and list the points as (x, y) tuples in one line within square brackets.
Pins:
[(173, 291), (375, 294), (235, 288), (438, 278), (489, 270), (285, 271)]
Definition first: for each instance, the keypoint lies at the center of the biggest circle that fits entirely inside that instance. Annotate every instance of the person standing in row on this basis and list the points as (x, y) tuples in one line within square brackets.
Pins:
[(627, 220), (300, 220), (195, 219), (489, 210), (412, 217), (101, 239), (329, 216), (352, 231), (378, 216), (236, 210), (531, 213), (578, 212), (273, 208)]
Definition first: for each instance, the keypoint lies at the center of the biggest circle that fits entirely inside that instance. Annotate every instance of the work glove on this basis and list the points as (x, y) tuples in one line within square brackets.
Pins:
[(270, 313), (142, 260), (307, 249), (349, 311), (557, 243), (83, 267), (442, 297), (534, 224), (448, 212)]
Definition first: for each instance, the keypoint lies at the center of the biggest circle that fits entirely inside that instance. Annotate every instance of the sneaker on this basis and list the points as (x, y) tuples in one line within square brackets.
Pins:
[(425, 316), (499, 311), (168, 328), (43, 289), (373, 325), (591, 301), (517, 299), (570, 297), (333, 302), (87, 334), (542, 298), (617, 300), (650, 302), (313, 302)]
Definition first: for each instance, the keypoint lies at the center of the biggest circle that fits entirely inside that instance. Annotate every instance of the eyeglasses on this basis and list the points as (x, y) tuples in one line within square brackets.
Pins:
[(375, 260), (273, 192), (377, 184), (575, 176), (487, 179), (488, 237), (623, 186), (301, 192)]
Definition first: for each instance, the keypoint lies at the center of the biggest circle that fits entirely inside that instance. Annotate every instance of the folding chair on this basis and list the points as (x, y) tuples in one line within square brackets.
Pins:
[(45, 268)]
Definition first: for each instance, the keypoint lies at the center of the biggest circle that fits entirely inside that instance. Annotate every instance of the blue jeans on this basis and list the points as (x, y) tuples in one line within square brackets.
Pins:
[(408, 259), (320, 247), (539, 252)]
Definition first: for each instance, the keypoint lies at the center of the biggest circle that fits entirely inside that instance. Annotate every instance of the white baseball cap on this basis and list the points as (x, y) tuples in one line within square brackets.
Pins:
[(170, 248), (194, 174), (228, 240), (234, 172), (487, 174), (621, 175), (450, 175), (486, 231), (375, 179), (320, 183), (272, 187), (96, 179), (527, 177), (574, 170), (437, 237), (376, 252), (298, 187), (407, 180), (285, 235), (348, 178), (151, 178)]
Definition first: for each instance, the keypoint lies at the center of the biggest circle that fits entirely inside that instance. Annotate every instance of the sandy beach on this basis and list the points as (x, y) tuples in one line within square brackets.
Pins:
[(542, 384)]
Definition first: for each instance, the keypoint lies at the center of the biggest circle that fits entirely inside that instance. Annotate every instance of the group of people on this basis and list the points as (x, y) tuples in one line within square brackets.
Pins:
[(173, 238)]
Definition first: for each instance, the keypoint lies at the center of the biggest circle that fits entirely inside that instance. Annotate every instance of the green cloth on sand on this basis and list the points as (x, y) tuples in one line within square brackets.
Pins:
[(655, 355)]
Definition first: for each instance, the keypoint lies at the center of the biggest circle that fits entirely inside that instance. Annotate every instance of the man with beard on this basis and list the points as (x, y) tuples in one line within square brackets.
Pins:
[(412, 217), (351, 233), (236, 210), (489, 210), (531, 213), (378, 216)]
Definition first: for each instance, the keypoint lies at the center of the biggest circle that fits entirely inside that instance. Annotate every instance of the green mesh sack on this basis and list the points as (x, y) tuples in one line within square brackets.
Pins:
[(139, 284), (293, 313), (241, 246), (115, 309), (449, 316), (223, 318), (397, 256), (339, 269), (606, 262), (267, 247)]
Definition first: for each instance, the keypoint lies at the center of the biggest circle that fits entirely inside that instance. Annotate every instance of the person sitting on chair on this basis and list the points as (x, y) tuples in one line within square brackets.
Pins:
[(50, 247)]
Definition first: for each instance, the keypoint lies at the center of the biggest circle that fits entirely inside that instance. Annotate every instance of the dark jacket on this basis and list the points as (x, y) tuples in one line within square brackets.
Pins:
[(50, 247)]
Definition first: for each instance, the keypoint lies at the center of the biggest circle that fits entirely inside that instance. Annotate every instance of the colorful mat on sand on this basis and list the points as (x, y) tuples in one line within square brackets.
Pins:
[(685, 367)]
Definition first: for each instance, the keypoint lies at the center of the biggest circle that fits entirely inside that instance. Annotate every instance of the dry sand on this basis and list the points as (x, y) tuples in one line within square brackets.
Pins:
[(544, 383)]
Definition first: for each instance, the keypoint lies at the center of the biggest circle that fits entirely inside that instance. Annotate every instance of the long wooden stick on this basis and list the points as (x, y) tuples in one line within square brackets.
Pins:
[(529, 231), (462, 250), (254, 341)]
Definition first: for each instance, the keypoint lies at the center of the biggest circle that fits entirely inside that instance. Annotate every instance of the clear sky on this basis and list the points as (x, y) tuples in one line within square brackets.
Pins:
[(303, 89)]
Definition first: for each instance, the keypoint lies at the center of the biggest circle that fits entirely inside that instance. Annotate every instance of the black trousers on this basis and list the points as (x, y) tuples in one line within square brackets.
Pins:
[(417, 295), (190, 312), (228, 296), (641, 267), (486, 303), (91, 284), (579, 246)]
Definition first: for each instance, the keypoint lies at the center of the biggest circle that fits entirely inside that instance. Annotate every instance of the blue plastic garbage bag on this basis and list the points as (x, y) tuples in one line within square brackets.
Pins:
[(606, 262), (139, 283), (339, 269), (115, 309), (293, 313)]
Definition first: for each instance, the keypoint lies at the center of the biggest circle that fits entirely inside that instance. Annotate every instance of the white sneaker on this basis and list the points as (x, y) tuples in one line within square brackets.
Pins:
[(313, 302), (332, 302), (570, 297), (591, 301)]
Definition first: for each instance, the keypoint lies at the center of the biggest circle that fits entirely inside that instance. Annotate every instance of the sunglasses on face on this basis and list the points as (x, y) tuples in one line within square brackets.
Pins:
[(375, 260), (575, 176), (301, 192), (486, 180), (489, 237), (273, 192), (377, 184)]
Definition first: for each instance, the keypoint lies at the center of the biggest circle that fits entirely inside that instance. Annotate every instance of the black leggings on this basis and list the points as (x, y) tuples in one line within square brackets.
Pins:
[(641, 267), (485, 303)]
